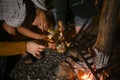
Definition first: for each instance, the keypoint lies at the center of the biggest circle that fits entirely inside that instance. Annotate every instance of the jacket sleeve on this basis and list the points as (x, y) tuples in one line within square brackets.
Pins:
[(61, 6), (12, 48)]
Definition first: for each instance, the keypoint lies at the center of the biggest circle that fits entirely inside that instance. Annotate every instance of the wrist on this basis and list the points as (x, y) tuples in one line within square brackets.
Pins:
[(37, 36), (39, 11)]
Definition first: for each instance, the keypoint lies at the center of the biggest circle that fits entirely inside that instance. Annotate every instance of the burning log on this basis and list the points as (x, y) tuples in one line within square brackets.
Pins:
[(65, 71), (78, 68)]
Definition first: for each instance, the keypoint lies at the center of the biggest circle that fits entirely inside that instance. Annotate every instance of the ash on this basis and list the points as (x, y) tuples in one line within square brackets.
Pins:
[(43, 69)]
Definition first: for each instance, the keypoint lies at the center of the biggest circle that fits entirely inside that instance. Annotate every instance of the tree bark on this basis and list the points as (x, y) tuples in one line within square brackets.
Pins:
[(107, 26)]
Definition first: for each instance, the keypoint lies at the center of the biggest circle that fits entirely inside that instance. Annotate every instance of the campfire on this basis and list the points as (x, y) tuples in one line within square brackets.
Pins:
[(82, 69), (82, 72), (76, 69)]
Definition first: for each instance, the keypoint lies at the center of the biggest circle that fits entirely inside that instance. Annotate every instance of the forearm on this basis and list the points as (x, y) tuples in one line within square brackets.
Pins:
[(28, 33), (12, 48), (38, 11)]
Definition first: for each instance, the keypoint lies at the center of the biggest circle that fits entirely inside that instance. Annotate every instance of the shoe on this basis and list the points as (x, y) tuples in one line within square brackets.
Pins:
[(101, 59)]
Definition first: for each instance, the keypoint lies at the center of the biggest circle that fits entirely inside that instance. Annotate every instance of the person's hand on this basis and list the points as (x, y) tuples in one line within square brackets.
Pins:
[(51, 45), (40, 20), (34, 49), (60, 26)]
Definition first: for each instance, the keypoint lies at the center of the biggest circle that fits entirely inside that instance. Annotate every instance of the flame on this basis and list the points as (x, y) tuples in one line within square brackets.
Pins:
[(85, 77), (89, 76), (82, 72)]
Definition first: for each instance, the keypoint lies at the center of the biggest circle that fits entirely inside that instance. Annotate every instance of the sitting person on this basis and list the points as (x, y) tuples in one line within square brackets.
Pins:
[(16, 14), (79, 10), (9, 50)]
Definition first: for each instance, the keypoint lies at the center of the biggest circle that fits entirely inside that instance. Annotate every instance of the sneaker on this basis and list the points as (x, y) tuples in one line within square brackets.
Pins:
[(101, 59)]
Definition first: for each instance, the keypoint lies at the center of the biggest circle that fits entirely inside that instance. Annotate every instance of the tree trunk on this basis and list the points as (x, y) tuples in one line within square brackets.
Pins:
[(107, 26)]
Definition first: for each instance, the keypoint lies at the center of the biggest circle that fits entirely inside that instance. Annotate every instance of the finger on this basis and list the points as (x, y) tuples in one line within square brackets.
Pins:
[(34, 54), (38, 55), (41, 23), (54, 47), (34, 22), (45, 26), (40, 26), (41, 48)]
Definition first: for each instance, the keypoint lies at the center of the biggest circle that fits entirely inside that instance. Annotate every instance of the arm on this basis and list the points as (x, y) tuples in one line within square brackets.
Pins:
[(12, 13), (15, 48), (29, 33), (10, 29)]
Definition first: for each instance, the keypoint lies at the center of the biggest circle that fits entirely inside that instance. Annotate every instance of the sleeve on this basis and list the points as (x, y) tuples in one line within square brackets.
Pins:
[(40, 4), (61, 7), (15, 22), (12, 48), (13, 12)]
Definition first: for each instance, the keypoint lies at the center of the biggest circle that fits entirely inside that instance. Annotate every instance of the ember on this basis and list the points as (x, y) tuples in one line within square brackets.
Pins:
[(85, 77), (83, 73)]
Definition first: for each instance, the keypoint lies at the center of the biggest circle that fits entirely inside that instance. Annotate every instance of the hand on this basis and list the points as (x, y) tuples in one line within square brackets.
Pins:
[(40, 20), (60, 26), (51, 45), (34, 49)]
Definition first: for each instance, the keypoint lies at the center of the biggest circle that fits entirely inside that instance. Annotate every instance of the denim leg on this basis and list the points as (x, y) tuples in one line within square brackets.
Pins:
[(80, 22)]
